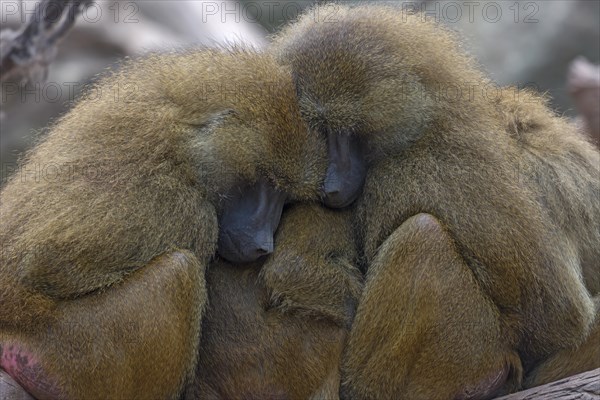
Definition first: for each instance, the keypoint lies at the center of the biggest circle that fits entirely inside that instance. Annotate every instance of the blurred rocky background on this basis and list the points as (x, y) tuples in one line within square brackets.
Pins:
[(522, 43)]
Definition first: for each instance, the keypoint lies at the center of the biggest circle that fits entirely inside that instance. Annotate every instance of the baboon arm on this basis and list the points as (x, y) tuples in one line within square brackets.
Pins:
[(424, 328), (136, 339), (86, 239), (276, 329)]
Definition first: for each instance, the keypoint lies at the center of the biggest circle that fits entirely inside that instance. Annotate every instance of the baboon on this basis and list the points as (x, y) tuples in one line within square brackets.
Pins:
[(478, 234), (276, 328), (102, 276)]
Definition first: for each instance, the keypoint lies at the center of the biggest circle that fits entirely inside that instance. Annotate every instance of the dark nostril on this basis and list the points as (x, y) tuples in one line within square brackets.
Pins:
[(264, 249), (262, 252), (338, 199), (331, 188)]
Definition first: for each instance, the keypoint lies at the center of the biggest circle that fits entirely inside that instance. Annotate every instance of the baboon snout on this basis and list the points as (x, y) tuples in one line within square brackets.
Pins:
[(248, 222), (346, 171), (238, 245), (264, 248)]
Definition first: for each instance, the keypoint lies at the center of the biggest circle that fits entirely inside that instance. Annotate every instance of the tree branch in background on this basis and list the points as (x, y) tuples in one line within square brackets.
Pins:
[(25, 54)]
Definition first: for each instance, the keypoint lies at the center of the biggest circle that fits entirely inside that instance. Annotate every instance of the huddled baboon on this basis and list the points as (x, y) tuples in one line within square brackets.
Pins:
[(276, 328), (478, 221), (108, 226)]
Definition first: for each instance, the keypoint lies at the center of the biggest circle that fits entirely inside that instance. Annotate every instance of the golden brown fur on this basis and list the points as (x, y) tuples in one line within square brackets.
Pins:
[(276, 329), (430, 306), (570, 361), (133, 341), (556, 160), (135, 177), (513, 187)]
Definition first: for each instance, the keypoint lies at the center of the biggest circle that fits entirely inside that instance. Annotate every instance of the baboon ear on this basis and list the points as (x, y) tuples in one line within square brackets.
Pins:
[(346, 171)]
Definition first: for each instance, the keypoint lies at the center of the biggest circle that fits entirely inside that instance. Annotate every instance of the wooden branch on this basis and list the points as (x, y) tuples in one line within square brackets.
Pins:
[(584, 386), (10, 390), (26, 54)]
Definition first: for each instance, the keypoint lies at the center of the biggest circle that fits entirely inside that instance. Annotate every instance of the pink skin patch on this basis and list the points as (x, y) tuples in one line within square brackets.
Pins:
[(27, 371)]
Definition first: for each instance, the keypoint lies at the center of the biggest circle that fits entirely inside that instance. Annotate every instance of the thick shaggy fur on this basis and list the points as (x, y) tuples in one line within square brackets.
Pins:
[(276, 329)]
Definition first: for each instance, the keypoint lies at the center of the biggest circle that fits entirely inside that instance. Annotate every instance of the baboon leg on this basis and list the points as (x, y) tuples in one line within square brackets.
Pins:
[(570, 361), (135, 340), (424, 329), (250, 350)]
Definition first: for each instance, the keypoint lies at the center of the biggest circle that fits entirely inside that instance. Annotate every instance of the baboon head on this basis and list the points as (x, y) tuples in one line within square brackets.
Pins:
[(250, 144), (367, 78)]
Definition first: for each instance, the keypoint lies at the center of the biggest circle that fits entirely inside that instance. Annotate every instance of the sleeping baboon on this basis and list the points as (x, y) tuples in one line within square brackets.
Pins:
[(276, 328), (102, 274), (478, 234)]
